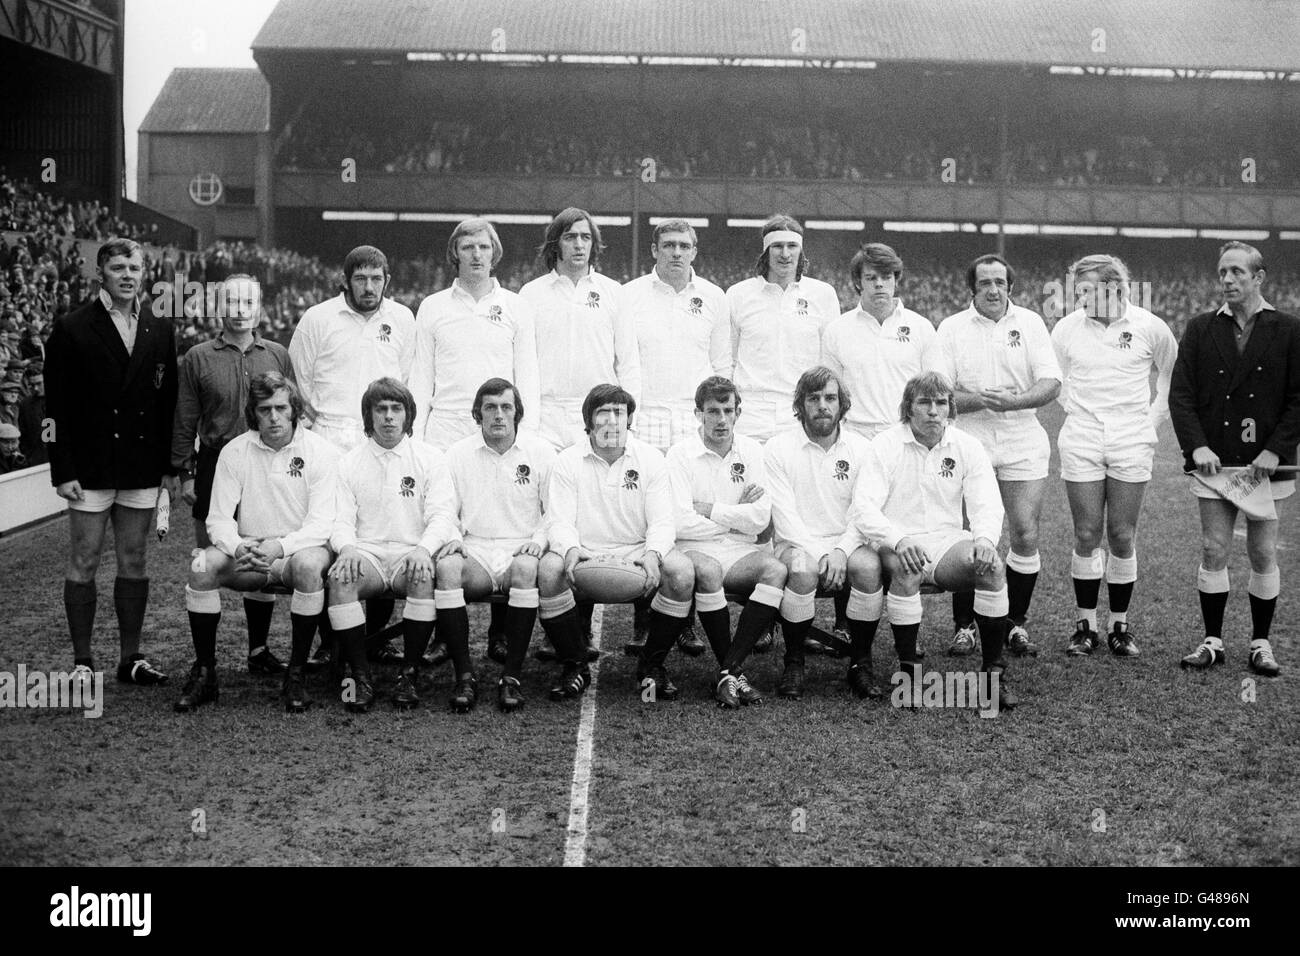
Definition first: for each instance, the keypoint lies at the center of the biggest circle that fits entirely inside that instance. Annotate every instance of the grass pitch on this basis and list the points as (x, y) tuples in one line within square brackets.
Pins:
[(1107, 762)]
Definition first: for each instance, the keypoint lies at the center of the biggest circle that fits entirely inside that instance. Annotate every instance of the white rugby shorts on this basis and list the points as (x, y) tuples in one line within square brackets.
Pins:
[(1093, 450)]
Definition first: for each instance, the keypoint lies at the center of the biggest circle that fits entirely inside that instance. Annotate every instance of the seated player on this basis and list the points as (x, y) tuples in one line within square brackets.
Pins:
[(908, 503), (394, 512), (610, 496), (499, 482), (812, 473), (271, 514), (719, 489)]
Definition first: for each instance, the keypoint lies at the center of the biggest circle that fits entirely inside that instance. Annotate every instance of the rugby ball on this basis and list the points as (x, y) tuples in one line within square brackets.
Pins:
[(606, 580)]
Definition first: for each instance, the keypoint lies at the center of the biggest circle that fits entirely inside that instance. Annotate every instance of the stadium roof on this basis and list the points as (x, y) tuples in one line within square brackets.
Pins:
[(195, 100), (1174, 34)]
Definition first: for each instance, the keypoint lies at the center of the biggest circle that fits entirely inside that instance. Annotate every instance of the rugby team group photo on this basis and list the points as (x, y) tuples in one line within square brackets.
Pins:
[(700, 432)]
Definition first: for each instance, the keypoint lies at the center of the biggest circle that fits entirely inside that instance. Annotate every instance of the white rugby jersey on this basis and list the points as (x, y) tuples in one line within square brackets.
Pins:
[(682, 337), (502, 497), (1107, 368), (1014, 352), (599, 506), (908, 489), (286, 494), (875, 359), (585, 335), (336, 353), (460, 343), (697, 473), (775, 337), (812, 490), (394, 497)]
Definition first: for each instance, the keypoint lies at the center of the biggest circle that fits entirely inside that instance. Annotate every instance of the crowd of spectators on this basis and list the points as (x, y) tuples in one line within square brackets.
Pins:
[(24, 208), (619, 146)]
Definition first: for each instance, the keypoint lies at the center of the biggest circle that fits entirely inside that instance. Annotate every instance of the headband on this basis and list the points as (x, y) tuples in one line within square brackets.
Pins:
[(781, 235)]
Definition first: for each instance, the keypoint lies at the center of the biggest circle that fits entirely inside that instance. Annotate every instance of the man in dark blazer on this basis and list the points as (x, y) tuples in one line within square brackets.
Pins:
[(1235, 401), (110, 377)]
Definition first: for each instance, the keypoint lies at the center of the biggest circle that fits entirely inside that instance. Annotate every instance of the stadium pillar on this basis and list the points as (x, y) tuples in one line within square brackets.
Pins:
[(636, 226), (1003, 171)]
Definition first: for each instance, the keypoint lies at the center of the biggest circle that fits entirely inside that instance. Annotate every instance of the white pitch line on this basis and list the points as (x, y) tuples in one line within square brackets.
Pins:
[(575, 845)]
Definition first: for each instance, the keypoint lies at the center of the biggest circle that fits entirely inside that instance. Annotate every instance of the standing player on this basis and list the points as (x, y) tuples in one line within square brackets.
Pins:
[(1249, 353), (472, 331), (919, 478), (999, 358), (874, 350), (777, 319), (342, 345), (683, 334), (394, 511), (611, 496), (720, 497), (1107, 349), (213, 395), (499, 481), (812, 473), (111, 390), (271, 514), (585, 335), (877, 347)]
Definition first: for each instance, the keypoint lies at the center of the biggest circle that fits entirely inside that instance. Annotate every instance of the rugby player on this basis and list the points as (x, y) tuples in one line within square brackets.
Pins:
[(611, 496), (683, 334), (719, 481), (474, 330), (394, 512), (874, 349), (271, 515), (918, 478), (777, 319), (1249, 353), (1107, 349), (499, 480), (999, 358), (339, 347), (110, 375), (210, 406), (813, 472), (585, 334)]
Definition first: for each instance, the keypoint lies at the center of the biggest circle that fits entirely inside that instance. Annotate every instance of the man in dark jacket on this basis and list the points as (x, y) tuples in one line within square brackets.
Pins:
[(1235, 401), (110, 376)]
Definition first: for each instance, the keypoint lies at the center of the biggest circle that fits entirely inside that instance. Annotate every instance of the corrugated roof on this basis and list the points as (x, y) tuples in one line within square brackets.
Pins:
[(1208, 34), (205, 100)]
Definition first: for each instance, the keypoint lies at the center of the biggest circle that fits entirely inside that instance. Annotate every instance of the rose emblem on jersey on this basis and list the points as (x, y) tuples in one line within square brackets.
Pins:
[(697, 305), (904, 333), (841, 470), (1013, 339), (385, 331), (946, 467), (522, 474), (631, 479), (158, 372), (494, 314), (408, 487), (801, 305), (593, 300), (295, 467), (1126, 340), (738, 472)]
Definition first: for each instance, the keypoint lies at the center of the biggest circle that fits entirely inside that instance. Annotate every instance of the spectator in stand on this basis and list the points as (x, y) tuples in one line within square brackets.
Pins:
[(31, 416), (11, 459)]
